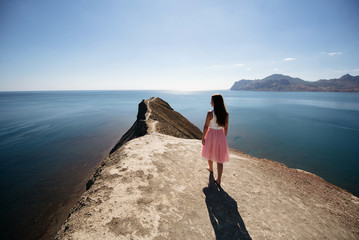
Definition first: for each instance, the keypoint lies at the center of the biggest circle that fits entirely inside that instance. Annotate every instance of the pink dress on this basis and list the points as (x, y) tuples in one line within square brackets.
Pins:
[(215, 147)]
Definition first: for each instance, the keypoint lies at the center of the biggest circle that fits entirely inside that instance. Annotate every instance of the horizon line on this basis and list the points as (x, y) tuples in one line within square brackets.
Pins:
[(74, 90)]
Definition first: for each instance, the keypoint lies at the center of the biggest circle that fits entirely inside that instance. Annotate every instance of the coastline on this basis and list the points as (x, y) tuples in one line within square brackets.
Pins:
[(60, 210), (116, 170)]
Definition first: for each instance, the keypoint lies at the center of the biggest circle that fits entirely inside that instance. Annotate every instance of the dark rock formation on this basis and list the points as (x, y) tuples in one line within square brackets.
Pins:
[(279, 82), (169, 122), (138, 129)]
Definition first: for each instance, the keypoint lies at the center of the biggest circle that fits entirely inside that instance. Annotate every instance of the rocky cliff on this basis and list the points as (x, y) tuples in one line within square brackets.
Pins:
[(156, 186), (156, 115), (279, 82)]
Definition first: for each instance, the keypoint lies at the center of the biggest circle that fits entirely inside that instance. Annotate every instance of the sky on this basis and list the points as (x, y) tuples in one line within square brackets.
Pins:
[(173, 45)]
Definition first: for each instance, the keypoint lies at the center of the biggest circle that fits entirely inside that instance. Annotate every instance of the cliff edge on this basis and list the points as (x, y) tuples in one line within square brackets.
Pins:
[(154, 185), (156, 115)]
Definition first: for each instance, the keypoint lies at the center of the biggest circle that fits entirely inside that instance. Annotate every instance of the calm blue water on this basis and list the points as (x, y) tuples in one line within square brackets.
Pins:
[(51, 141)]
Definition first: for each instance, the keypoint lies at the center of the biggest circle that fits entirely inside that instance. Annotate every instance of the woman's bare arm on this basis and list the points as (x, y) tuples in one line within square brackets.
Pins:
[(206, 124), (226, 125)]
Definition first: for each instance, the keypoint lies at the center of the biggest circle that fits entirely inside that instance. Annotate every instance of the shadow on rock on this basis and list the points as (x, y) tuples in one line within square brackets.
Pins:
[(223, 213)]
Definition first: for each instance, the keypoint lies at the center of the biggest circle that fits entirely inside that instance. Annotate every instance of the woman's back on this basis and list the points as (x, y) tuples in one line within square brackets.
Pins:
[(213, 122)]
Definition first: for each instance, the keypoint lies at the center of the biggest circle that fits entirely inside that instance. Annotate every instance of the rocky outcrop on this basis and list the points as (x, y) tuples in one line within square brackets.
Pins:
[(279, 82), (170, 122), (156, 115), (157, 187), (138, 129)]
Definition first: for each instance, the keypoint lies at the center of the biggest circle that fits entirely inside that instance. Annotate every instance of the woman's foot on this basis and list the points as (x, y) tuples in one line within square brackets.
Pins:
[(210, 166), (218, 182)]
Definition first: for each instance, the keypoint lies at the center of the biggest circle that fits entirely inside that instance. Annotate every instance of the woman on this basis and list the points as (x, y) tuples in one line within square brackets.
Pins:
[(214, 138)]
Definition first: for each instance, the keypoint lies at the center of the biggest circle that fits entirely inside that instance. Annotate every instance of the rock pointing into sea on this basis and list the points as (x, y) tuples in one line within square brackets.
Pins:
[(154, 185)]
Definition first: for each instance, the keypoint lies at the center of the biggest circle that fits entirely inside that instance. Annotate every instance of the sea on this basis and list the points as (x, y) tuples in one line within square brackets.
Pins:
[(51, 141)]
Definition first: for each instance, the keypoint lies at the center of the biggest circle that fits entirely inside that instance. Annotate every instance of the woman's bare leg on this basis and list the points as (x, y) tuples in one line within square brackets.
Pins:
[(219, 172), (210, 166)]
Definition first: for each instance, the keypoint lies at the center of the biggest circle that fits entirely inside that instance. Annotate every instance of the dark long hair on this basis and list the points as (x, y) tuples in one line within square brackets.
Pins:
[(219, 109)]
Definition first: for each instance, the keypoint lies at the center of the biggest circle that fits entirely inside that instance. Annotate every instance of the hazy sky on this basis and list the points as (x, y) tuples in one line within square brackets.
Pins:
[(104, 44)]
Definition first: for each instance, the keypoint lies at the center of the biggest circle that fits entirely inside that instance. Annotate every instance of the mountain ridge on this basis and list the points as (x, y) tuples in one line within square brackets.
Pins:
[(285, 83)]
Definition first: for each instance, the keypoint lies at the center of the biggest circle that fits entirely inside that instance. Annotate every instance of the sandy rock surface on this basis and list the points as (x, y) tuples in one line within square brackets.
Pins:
[(157, 187)]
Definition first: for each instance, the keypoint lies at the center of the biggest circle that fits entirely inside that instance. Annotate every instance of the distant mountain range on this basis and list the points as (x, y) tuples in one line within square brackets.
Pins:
[(284, 83)]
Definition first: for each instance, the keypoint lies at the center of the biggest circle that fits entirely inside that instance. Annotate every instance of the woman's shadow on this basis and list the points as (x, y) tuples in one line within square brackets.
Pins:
[(223, 213)]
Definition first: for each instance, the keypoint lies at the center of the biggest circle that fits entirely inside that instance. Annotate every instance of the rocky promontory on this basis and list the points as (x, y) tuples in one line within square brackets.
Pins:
[(154, 185), (159, 118)]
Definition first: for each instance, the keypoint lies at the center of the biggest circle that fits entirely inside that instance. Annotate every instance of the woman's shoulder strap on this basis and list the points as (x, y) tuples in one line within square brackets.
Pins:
[(210, 114)]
